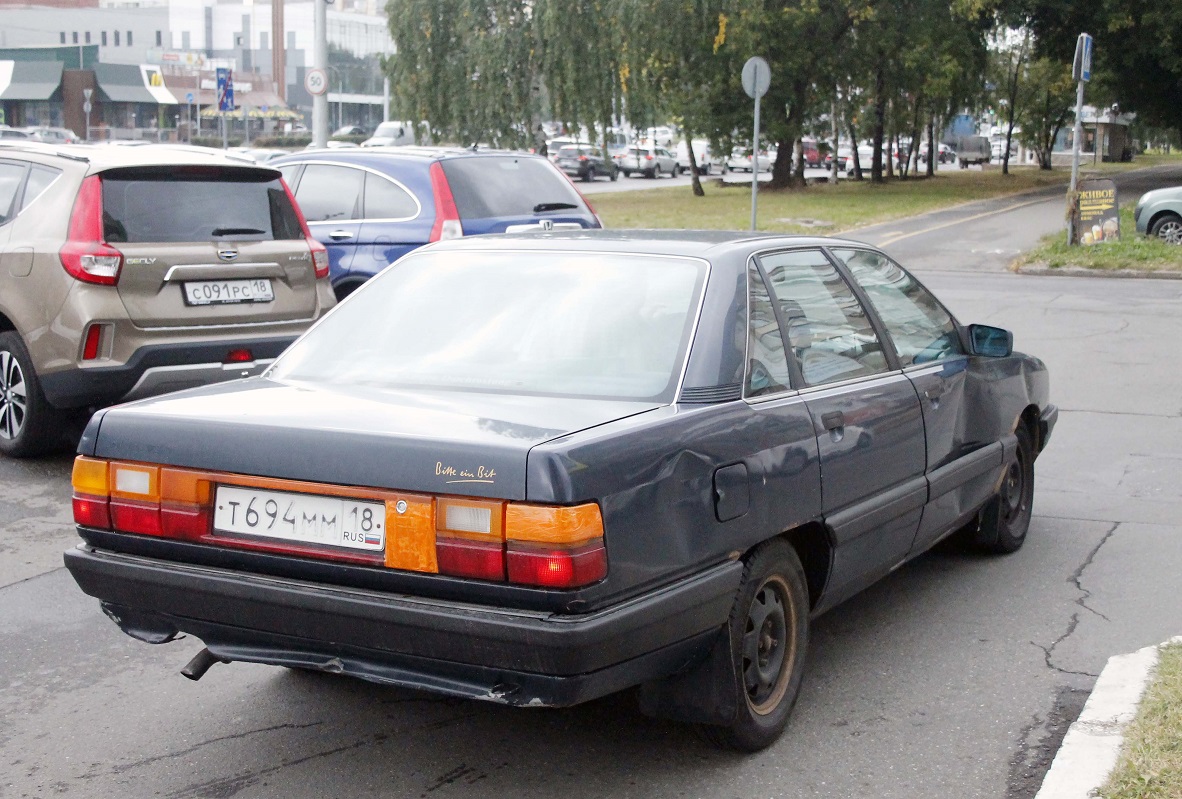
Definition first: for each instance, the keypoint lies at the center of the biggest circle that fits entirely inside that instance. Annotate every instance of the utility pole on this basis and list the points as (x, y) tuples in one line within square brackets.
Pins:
[(1081, 70), (320, 61)]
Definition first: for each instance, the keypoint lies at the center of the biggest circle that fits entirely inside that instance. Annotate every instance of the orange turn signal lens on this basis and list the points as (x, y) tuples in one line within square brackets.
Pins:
[(542, 524), (410, 533), (90, 476)]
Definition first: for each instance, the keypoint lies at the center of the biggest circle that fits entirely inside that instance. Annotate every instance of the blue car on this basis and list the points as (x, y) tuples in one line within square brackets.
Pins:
[(370, 208)]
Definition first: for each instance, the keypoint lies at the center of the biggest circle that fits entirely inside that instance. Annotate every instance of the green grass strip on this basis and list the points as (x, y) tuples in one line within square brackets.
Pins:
[(1150, 764)]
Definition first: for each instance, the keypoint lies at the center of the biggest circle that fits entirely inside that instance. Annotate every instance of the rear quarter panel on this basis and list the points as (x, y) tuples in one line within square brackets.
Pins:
[(652, 476)]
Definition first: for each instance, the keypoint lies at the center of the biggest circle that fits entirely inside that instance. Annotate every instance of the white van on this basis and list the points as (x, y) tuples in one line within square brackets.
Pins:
[(391, 134)]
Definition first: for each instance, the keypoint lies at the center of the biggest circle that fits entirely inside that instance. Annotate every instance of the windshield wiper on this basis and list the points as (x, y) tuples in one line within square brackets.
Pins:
[(540, 207), (236, 231)]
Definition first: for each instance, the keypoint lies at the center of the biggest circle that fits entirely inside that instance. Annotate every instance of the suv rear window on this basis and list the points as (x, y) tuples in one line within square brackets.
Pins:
[(174, 205), (507, 185)]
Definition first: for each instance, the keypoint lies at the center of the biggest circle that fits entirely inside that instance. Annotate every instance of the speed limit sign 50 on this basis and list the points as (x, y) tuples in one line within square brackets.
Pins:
[(316, 81)]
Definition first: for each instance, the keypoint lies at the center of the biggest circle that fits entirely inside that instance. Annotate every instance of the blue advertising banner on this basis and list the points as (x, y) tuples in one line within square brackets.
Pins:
[(225, 89)]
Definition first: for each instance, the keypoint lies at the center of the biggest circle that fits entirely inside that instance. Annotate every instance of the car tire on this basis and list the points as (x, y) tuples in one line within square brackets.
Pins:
[(29, 425), (590, 175), (768, 629), (1004, 521), (1168, 228), (706, 169), (614, 174)]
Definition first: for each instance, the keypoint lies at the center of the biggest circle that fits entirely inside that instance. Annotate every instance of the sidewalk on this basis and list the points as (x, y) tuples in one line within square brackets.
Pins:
[(1093, 743)]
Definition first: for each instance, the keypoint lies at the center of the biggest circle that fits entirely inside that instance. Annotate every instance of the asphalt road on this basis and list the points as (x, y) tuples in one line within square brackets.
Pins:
[(951, 678)]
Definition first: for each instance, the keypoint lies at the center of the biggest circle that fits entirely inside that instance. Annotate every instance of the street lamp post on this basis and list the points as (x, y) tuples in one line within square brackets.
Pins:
[(320, 61)]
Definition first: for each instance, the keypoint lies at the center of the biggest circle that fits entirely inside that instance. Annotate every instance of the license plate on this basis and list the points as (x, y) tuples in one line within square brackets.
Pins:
[(224, 292), (305, 518)]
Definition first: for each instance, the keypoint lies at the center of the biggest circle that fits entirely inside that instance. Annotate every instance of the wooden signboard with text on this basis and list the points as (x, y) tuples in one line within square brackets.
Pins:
[(1097, 213)]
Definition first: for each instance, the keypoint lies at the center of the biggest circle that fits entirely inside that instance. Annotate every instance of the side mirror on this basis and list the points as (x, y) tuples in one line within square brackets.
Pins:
[(992, 342)]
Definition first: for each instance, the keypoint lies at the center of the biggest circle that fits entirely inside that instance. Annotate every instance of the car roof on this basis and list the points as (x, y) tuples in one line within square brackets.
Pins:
[(101, 157), (376, 156), (692, 243)]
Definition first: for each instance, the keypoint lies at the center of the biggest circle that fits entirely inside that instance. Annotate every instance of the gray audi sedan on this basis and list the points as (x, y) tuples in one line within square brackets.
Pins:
[(540, 468)]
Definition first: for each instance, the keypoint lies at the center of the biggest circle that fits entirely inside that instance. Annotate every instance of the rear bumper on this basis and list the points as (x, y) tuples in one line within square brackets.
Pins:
[(157, 369), (512, 656)]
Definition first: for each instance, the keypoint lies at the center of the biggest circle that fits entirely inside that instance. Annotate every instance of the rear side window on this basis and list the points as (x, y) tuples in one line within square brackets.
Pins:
[(196, 205), (387, 200), (40, 177), (507, 185), (11, 176)]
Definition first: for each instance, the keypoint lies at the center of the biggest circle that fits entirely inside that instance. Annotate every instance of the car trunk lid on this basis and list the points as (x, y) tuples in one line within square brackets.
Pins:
[(438, 442)]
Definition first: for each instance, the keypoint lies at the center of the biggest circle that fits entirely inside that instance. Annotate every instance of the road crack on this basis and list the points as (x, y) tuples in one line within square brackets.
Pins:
[(1076, 579)]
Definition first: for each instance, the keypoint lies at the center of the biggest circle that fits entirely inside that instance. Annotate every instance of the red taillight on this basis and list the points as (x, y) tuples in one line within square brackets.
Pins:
[(582, 158), (133, 516), (85, 255), (238, 356), (481, 560), (556, 568), (92, 511), (447, 216), (90, 349), (319, 252), (319, 257), (648, 158)]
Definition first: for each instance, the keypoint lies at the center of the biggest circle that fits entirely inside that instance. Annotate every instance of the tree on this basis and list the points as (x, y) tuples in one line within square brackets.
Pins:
[(469, 67), (1138, 52), (1048, 105)]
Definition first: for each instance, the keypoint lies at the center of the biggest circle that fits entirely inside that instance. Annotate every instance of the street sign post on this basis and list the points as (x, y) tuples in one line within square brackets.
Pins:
[(1081, 71), (87, 108), (225, 83), (757, 77)]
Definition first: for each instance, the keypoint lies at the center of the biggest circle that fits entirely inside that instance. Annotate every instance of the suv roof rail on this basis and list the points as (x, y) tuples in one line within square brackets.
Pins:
[(41, 148)]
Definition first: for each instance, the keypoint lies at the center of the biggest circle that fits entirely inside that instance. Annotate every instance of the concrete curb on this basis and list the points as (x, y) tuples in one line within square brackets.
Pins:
[(1079, 271), (1092, 744)]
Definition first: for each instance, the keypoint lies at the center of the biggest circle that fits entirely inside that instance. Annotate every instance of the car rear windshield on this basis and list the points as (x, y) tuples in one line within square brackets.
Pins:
[(589, 325), (181, 204), (507, 185)]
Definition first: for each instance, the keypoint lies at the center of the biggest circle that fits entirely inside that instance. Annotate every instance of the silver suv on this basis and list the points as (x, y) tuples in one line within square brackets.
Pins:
[(132, 271)]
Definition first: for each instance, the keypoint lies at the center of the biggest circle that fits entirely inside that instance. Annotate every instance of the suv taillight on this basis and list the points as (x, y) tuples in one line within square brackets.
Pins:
[(319, 257), (319, 251), (85, 255), (447, 217)]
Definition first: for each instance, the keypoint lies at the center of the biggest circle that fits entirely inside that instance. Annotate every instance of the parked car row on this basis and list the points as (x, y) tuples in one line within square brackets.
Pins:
[(132, 271)]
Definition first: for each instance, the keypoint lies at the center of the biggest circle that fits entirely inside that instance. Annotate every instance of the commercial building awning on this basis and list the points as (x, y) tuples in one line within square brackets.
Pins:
[(30, 80), (132, 83)]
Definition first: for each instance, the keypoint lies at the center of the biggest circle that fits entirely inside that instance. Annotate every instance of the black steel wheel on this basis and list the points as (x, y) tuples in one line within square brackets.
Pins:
[(1005, 520), (768, 636), (1168, 228), (28, 424)]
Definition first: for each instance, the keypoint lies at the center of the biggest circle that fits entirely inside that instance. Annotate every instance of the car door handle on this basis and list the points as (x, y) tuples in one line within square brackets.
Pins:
[(935, 392), (340, 235), (834, 420)]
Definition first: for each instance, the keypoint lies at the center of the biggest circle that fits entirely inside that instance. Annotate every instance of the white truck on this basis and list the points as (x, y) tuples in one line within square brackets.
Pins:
[(973, 150)]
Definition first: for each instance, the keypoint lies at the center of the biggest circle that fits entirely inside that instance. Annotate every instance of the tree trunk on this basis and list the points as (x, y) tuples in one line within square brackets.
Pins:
[(1005, 156), (854, 152), (798, 162), (932, 149), (782, 168), (695, 179), (833, 121), (879, 125)]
